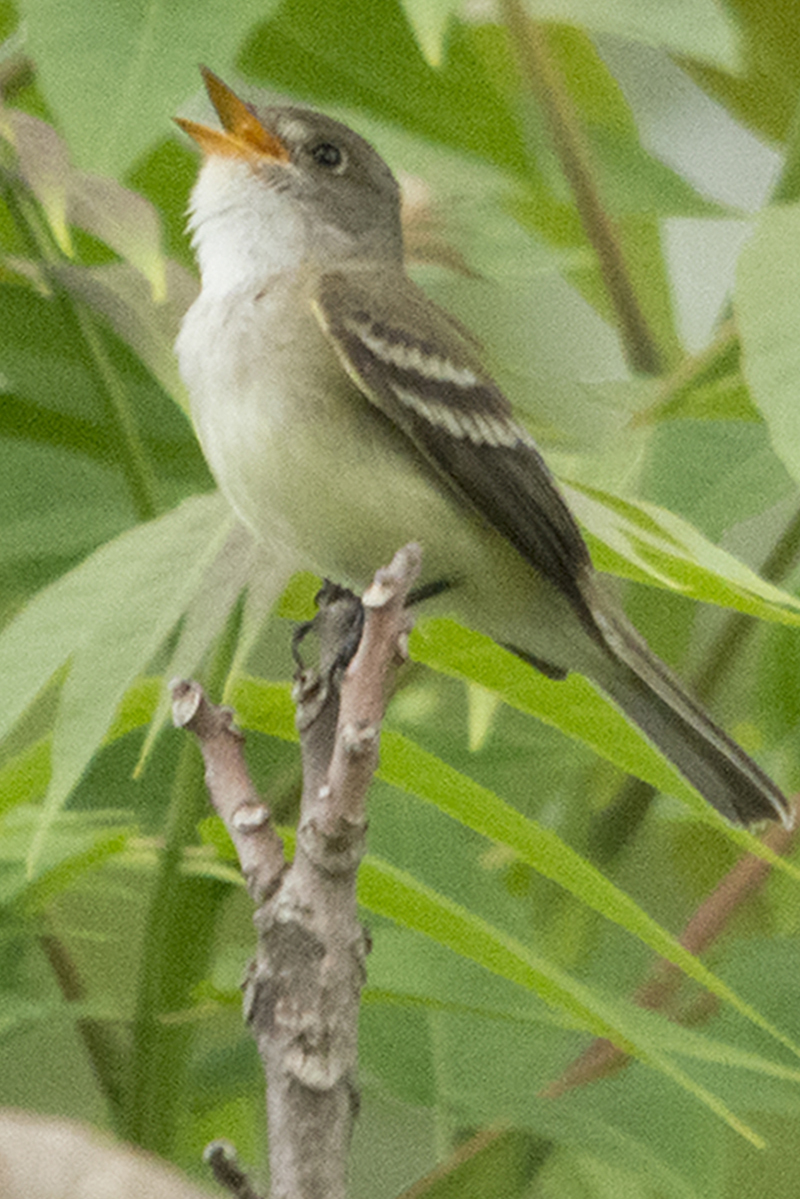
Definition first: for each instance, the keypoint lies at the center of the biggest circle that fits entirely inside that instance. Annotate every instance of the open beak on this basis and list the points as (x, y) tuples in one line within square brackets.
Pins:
[(242, 134)]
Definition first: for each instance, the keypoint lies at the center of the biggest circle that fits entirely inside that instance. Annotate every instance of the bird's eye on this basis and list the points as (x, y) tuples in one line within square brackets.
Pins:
[(325, 154)]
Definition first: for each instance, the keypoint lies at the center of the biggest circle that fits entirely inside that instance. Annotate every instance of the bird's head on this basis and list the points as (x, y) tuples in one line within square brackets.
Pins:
[(290, 183)]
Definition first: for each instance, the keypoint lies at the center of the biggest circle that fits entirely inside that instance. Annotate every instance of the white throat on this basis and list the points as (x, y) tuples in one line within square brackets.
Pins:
[(243, 231)]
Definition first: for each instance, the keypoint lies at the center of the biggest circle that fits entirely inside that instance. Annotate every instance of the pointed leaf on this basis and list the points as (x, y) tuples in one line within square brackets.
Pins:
[(126, 598), (391, 892), (700, 28), (115, 81), (108, 617), (403, 764), (645, 542), (572, 705), (767, 303), (121, 295), (407, 766)]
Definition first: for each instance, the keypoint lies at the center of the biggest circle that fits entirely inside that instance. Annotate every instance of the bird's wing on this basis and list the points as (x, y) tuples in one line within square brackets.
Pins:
[(415, 364)]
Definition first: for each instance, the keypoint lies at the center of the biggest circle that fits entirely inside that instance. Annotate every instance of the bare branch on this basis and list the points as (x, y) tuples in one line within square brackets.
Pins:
[(235, 799), (302, 995), (354, 755), (221, 1157)]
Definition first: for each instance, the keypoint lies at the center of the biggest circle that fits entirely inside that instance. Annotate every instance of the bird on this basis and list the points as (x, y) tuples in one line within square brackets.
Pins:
[(344, 414)]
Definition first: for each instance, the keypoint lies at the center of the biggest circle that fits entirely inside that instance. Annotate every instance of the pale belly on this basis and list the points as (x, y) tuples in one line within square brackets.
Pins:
[(316, 468)]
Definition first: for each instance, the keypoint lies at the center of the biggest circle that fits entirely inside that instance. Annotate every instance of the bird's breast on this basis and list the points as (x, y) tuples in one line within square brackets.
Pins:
[(313, 467), (304, 457)]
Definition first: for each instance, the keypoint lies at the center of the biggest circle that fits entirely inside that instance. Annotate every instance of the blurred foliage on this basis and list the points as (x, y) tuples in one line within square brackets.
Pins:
[(517, 888)]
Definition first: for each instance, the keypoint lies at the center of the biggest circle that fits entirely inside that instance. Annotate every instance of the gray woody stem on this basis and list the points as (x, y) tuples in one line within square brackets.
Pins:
[(302, 995)]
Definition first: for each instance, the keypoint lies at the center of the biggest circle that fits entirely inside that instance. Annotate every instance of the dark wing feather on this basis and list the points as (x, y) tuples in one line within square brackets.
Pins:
[(407, 356)]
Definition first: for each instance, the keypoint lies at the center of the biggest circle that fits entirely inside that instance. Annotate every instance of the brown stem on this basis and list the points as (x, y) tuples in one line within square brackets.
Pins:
[(102, 1048), (705, 926), (544, 81)]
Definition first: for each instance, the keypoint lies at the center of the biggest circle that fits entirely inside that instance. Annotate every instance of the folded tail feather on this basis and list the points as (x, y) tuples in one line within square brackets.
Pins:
[(649, 695)]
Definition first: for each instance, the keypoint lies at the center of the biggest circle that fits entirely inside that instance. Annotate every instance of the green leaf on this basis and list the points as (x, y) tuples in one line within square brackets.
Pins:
[(242, 564), (598, 98), (763, 91), (264, 706), (70, 532), (124, 220), (107, 617), (25, 777), (572, 705), (390, 892), (779, 709), (700, 28), (644, 542), (119, 293), (18, 1015), (429, 20), (407, 766), (633, 181), (413, 971), (116, 82), (767, 302), (136, 707), (55, 392), (724, 399), (81, 842), (43, 161), (41, 359), (64, 617), (643, 249), (366, 56)]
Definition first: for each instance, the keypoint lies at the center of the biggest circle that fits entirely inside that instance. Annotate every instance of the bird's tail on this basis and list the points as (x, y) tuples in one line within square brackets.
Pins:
[(649, 695)]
